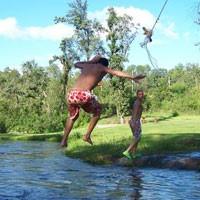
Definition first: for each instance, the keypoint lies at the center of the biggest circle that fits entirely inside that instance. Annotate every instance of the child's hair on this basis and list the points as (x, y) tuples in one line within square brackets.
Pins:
[(104, 61), (140, 90)]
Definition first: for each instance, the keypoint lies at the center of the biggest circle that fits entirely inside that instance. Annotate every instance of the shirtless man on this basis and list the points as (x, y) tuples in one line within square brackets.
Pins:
[(135, 125), (80, 96)]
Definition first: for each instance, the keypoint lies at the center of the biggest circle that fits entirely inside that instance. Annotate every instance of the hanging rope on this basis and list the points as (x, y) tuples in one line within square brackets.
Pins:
[(198, 14), (148, 38), (198, 21), (152, 60)]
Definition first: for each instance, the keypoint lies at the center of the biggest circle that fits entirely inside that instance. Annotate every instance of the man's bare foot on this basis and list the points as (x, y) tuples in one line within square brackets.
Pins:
[(87, 139)]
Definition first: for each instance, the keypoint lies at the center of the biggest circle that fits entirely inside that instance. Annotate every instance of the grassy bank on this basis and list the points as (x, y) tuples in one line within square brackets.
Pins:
[(163, 135), (177, 134)]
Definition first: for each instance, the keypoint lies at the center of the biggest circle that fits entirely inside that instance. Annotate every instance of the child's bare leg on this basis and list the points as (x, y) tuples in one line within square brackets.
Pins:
[(133, 146), (68, 127), (91, 126)]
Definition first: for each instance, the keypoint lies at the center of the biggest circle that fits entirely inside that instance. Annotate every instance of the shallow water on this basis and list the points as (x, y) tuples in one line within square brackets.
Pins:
[(41, 171)]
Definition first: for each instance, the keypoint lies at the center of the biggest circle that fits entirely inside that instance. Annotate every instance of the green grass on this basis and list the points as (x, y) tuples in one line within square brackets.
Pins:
[(179, 134), (166, 135)]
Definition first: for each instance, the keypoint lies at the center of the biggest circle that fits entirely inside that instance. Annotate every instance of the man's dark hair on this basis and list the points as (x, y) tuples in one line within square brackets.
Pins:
[(104, 61)]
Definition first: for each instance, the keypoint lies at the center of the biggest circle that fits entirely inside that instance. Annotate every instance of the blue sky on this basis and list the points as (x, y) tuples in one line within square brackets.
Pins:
[(27, 30)]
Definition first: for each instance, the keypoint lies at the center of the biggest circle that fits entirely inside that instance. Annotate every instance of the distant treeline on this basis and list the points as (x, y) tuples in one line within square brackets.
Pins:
[(32, 100)]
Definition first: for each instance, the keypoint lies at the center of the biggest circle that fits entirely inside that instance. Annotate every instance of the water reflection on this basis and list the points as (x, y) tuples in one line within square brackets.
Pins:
[(40, 170), (137, 183)]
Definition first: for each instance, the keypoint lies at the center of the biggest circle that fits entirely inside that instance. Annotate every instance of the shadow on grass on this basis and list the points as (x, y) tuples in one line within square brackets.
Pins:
[(160, 118), (113, 119), (168, 143), (106, 153)]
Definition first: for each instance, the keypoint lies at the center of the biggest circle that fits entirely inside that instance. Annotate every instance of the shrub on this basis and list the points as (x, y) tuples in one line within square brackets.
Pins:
[(3, 128)]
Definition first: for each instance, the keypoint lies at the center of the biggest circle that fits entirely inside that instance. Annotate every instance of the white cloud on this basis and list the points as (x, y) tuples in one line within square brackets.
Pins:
[(169, 31), (140, 16), (10, 29)]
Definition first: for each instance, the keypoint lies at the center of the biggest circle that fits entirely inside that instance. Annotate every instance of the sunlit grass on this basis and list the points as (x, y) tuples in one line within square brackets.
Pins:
[(177, 134)]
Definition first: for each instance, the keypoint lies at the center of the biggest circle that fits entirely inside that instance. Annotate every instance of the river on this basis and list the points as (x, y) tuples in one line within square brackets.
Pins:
[(41, 171)]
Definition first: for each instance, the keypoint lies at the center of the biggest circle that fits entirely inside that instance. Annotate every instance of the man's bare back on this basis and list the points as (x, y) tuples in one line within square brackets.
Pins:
[(91, 75)]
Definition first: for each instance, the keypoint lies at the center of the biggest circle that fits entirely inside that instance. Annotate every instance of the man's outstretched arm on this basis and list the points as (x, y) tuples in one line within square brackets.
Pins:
[(123, 74)]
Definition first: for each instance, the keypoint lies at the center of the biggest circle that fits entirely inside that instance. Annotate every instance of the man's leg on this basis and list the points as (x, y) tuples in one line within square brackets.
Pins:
[(68, 127), (91, 126), (92, 107)]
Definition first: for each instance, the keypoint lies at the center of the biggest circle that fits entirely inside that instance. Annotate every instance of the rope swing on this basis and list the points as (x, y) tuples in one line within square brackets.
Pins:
[(148, 38), (198, 21)]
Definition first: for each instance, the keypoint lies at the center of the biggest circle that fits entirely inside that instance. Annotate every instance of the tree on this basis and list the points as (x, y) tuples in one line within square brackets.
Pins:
[(68, 57), (54, 114), (34, 81), (120, 34), (85, 41), (53, 93), (193, 75), (158, 87), (10, 86), (86, 31)]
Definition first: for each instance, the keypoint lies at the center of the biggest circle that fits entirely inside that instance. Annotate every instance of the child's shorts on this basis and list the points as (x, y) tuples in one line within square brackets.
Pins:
[(137, 128)]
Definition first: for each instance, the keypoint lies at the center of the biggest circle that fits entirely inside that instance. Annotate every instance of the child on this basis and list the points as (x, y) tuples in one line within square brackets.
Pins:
[(135, 125)]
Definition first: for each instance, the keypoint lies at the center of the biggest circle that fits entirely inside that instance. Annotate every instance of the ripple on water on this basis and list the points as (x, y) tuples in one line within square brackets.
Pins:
[(39, 170)]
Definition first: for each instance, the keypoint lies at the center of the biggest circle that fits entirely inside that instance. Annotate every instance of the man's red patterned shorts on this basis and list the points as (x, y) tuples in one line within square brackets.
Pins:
[(82, 99)]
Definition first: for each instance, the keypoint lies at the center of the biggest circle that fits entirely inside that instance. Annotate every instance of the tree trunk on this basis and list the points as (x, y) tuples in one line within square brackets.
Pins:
[(122, 120)]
